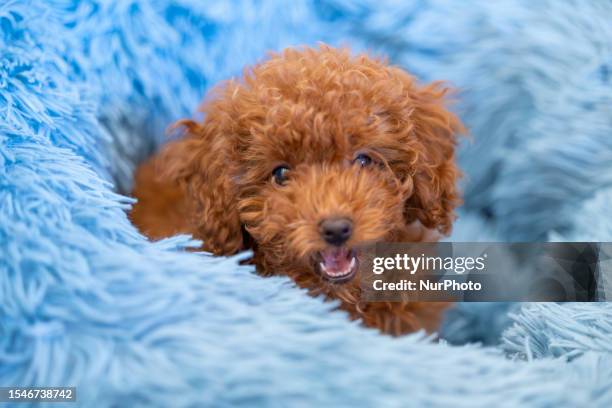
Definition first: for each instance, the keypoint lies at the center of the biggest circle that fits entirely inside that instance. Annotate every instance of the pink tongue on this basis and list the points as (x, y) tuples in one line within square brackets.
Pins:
[(335, 259)]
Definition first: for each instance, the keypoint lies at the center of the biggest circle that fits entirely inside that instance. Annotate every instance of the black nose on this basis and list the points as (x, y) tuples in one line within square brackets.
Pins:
[(336, 231)]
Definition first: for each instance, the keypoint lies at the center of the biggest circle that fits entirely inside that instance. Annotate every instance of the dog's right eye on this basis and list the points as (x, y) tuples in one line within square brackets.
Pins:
[(280, 175), (363, 160)]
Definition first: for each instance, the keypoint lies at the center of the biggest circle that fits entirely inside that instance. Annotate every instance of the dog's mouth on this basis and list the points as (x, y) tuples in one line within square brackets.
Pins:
[(337, 265)]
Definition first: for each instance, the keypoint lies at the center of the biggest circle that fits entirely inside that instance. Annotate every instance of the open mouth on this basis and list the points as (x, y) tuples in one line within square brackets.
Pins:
[(337, 265)]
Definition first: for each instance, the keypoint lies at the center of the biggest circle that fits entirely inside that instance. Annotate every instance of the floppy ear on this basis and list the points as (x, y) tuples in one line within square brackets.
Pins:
[(435, 193), (199, 162)]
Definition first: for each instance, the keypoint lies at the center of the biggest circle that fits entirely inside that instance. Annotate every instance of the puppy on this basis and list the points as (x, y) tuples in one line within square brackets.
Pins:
[(311, 156)]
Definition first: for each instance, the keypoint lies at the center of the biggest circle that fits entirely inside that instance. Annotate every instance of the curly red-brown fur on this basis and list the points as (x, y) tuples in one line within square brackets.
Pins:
[(312, 110)]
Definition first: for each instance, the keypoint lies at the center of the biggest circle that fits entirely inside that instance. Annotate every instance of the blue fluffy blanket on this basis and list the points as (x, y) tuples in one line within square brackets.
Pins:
[(86, 91)]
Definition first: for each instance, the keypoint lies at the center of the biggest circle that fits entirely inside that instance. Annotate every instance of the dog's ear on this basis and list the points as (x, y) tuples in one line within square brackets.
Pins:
[(199, 163), (435, 173)]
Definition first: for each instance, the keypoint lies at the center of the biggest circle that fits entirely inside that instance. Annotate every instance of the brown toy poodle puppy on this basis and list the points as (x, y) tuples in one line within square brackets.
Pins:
[(311, 156)]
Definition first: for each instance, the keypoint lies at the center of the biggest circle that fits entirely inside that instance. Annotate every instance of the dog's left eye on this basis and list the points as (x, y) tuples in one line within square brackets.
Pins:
[(280, 175), (363, 160)]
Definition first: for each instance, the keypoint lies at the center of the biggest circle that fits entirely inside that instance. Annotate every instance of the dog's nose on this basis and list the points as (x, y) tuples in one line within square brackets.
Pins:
[(336, 231)]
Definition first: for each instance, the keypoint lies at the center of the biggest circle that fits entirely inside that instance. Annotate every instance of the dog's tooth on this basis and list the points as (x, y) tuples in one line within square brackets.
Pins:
[(322, 265), (352, 265)]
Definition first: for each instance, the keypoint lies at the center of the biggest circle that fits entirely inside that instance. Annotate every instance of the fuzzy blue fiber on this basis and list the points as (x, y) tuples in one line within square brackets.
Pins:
[(86, 91)]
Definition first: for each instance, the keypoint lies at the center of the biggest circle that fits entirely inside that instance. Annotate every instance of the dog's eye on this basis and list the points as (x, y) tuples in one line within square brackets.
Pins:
[(363, 160), (280, 175)]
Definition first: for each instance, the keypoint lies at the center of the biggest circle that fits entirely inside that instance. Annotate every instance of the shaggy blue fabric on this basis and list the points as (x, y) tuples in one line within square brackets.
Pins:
[(86, 91)]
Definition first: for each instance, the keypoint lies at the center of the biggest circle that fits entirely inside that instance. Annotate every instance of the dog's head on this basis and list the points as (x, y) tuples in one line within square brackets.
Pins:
[(312, 155)]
